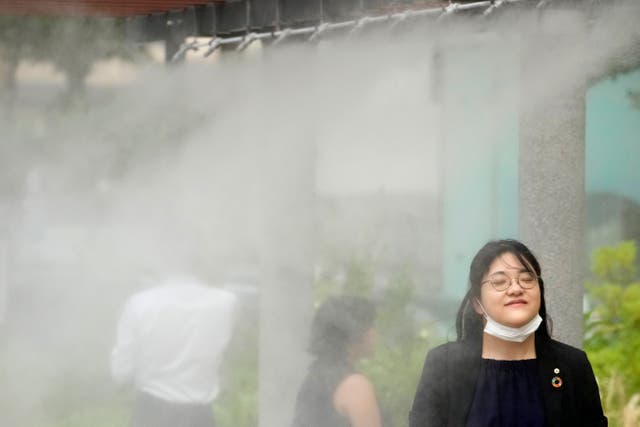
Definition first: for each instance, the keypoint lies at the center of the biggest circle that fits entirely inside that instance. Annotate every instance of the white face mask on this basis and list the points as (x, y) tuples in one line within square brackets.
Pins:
[(508, 333)]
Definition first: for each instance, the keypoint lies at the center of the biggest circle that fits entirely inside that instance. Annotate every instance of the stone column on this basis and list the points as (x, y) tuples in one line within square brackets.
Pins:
[(4, 254), (288, 188), (6, 223), (552, 167)]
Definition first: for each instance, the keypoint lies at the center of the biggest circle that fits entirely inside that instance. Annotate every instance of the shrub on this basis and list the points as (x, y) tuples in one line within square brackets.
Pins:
[(403, 339), (612, 328)]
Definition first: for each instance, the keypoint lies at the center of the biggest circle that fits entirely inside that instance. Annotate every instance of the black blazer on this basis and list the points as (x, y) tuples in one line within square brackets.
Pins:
[(446, 388)]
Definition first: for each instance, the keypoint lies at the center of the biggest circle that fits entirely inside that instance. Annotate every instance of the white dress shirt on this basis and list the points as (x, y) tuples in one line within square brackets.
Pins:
[(171, 339)]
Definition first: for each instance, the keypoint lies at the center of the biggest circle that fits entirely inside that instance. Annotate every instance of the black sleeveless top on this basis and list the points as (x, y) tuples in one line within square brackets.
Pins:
[(507, 395), (314, 404)]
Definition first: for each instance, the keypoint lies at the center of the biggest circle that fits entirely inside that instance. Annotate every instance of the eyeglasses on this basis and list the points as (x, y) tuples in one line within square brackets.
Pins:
[(501, 282)]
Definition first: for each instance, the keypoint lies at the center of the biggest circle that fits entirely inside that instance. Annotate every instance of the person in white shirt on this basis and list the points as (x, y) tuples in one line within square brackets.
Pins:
[(169, 346)]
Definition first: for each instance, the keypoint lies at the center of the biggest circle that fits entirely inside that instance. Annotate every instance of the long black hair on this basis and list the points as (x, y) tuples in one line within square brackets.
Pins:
[(468, 322), (340, 322)]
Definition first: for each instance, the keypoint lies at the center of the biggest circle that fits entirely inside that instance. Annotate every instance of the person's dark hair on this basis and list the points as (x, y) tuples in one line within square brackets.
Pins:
[(468, 322), (340, 322)]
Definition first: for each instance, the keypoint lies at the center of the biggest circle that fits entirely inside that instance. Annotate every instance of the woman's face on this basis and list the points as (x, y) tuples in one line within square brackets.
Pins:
[(515, 306)]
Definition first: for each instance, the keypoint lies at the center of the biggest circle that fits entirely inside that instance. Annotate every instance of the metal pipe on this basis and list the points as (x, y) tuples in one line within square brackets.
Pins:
[(316, 31)]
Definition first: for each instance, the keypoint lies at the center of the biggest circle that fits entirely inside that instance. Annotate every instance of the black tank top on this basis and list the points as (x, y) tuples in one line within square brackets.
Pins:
[(314, 404)]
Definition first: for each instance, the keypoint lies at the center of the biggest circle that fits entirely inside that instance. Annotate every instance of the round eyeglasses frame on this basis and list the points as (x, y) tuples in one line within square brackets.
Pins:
[(522, 280)]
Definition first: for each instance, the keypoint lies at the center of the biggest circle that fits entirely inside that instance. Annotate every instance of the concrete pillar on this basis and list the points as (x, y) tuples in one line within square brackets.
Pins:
[(288, 188), (5, 230), (552, 169), (4, 255)]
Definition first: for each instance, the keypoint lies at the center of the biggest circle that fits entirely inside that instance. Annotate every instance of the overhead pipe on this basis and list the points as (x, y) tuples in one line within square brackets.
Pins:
[(316, 31)]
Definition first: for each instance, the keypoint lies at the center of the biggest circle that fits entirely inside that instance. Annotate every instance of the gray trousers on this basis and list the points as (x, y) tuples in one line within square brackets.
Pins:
[(150, 411)]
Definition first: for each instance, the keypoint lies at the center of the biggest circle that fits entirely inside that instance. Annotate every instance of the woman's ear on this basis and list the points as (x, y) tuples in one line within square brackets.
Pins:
[(477, 307)]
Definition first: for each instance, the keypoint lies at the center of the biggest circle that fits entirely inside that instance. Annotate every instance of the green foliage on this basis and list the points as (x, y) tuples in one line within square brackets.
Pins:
[(96, 415), (403, 340), (612, 326), (359, 278), (72, 45), (615, 264), (237, 405), (37, 392), (394, 369), (16, 43)]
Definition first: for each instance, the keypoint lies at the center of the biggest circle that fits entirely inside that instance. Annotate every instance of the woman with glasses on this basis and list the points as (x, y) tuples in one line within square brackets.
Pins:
[(505, 370)]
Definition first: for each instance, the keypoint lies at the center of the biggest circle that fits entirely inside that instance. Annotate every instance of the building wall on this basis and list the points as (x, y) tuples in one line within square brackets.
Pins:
[(480, 184), (613, 138)]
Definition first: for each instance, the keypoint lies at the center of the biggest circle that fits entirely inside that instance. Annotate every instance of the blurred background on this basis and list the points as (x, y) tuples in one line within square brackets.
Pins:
[(372, 158)]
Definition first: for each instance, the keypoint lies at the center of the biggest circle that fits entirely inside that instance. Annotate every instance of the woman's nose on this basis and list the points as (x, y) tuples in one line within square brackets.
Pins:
[(514, 288)]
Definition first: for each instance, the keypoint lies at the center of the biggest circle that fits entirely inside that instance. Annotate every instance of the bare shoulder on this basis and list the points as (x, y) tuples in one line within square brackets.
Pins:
[(355, 399), (356, 381)]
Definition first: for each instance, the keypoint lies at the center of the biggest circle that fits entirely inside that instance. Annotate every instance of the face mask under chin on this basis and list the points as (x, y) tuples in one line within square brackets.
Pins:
[(509, 333)]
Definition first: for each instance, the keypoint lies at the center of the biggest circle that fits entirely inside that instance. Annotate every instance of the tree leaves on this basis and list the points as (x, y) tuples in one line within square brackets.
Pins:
[(612, 326)]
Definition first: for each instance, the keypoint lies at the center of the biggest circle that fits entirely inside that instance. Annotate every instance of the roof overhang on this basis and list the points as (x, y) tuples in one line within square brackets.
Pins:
[(96, 8)]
